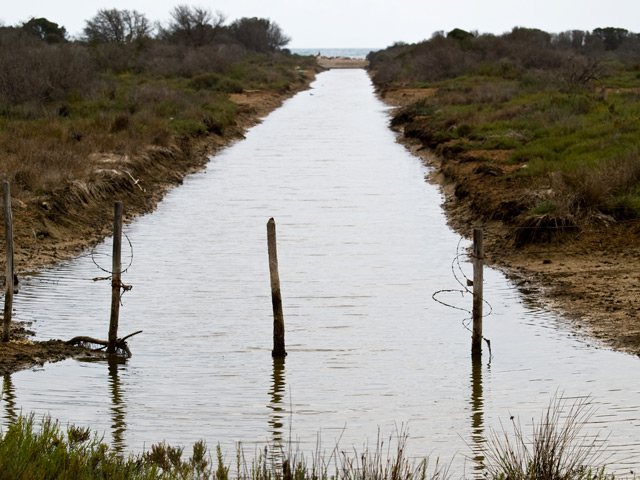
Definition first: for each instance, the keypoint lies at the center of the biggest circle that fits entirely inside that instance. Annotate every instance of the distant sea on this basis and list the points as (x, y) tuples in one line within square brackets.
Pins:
[(335, 52)]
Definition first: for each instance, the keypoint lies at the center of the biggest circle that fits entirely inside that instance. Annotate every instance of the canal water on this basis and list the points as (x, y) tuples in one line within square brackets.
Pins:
[(363, 245)]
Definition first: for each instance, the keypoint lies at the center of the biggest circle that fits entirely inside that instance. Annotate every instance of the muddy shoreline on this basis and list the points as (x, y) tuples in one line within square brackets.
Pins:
[(590, 276)]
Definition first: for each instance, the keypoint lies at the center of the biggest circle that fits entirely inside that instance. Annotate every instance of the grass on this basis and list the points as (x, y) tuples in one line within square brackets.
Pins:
[(45, 144), (52, 452), (577, 134), (556, 450)]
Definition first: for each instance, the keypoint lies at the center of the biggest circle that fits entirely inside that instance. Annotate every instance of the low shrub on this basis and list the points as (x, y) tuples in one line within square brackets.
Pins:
[(543, 208), (34, 71), (187, 127), (204, 81)]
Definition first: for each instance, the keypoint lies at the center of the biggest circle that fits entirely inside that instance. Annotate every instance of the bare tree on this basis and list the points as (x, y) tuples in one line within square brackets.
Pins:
[(579, 71), (194, 26), (117, 26)]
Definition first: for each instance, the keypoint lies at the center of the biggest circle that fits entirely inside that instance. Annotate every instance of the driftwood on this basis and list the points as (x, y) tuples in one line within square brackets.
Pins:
[(120, 345)]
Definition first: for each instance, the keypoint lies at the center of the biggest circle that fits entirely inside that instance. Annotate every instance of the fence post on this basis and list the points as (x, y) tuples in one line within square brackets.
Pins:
[(8, 229), (116, 283), (478, 261), (276, 297)]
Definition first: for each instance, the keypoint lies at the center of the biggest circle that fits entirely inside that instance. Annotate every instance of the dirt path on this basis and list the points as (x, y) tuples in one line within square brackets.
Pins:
[(62, 224), (592, 277)]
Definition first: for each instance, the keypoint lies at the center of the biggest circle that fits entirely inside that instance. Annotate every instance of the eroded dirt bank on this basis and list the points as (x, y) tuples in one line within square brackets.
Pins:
[(590, 273), (57, 226)]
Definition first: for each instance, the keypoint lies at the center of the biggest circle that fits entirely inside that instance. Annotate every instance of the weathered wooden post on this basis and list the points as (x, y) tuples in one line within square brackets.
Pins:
[(116, 283), (276, 297), (478, 262), (8, 229)]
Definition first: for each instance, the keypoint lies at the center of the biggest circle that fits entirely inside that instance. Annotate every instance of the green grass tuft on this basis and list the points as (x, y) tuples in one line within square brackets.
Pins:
[(557, 449)]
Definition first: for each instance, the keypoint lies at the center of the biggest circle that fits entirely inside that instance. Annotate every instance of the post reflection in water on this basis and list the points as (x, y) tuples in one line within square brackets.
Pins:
[(118, 412), (355, 214), (8, 397), (477, 414), (277, 393)]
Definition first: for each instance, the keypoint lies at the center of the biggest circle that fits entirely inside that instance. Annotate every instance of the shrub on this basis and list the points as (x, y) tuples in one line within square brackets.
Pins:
[(547, 206), (625, 206), (35, 71), (204, 81), (187, 127), (215, 82), (612, 189)]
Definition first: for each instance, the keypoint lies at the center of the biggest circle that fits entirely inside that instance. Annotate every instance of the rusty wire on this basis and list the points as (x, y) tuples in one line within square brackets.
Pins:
[(455, 265), (123, 288)]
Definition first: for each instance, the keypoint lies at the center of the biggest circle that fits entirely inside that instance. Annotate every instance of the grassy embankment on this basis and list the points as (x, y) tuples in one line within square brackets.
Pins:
[(556, 449), (48, 145), (84, 125), (551, 125)]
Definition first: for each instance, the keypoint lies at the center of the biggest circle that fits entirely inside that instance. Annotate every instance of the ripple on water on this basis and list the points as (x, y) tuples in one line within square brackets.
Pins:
[(362, 245)]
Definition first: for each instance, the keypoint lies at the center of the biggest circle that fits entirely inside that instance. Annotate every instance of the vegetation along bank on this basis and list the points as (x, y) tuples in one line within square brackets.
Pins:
[(123, 113), (535, 137)]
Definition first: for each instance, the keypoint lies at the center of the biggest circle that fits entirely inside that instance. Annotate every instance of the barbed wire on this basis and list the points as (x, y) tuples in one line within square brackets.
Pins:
[(123, 288), (455, 263), (109, 271)]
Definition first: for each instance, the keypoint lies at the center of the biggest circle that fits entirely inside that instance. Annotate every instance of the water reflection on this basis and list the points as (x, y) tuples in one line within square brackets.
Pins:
[(276, 419), (8, 397), (364, 244), (118, 411), (477, 413)]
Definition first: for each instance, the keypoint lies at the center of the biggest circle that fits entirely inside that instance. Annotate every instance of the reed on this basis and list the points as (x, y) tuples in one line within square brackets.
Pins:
[(52, 452), (557, 449)]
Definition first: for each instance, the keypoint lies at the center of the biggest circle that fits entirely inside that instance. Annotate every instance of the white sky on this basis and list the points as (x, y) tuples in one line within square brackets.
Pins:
[(358, 23)]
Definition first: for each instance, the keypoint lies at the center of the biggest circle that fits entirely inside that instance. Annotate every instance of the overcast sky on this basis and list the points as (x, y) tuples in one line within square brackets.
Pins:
[(358, 23)]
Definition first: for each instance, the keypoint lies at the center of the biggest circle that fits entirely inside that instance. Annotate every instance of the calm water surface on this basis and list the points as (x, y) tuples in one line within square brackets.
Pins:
[(335, 52), (363, 245)]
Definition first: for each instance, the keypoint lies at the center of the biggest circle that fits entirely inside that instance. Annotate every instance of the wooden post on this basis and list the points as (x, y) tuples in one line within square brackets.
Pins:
[(276, 297), (8, 229), (478, 261), (116, 283)]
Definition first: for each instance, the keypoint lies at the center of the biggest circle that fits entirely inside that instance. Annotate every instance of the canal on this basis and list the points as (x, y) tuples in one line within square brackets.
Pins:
[(363, 245)]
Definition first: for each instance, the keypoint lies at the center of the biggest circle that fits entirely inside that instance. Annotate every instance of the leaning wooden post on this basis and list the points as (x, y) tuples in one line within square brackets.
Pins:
[(478, 261), (116, 283), (8, 229), (276, 297)]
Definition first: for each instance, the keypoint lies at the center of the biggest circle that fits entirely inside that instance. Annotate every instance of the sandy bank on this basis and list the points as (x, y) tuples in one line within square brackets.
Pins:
[(342, 62)]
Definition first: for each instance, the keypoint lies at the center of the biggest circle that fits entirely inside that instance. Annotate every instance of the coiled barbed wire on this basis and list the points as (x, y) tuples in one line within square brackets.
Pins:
[(455, 264)]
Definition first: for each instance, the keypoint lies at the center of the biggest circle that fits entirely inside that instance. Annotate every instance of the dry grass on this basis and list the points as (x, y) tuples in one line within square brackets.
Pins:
[(62, 103), (612, 189), (557, 450)]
